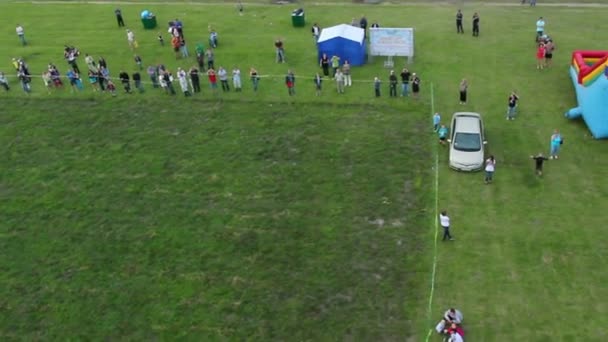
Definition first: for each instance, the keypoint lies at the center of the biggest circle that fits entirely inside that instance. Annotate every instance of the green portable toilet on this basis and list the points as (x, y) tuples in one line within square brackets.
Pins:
[(148, 20), (297, 18)]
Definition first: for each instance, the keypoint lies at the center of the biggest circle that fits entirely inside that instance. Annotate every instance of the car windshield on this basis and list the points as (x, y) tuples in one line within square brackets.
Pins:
[(469, 142)]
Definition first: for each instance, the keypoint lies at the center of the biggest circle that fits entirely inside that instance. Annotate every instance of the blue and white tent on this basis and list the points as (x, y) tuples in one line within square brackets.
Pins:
[(344, 41)]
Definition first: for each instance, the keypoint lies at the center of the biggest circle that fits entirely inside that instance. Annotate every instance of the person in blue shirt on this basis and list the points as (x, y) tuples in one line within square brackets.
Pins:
[(443, 134), (436, 120), (556, 143)]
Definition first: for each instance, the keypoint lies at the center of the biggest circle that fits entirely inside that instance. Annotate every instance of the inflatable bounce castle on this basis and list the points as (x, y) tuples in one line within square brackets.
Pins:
[(589, 72)]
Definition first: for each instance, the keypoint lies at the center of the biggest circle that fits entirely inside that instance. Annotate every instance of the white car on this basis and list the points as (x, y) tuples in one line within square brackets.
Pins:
[(467, 142)]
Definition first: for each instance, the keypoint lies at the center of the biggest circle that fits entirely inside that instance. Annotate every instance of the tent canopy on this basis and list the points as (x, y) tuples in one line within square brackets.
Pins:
[(356, 34), (345, 41)]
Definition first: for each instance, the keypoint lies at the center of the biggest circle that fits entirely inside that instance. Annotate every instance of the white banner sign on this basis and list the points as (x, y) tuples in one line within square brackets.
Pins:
[(391, 42)]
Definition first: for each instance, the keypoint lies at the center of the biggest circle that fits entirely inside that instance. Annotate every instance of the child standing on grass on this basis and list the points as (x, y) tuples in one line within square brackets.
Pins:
[(255, 78), (290, 82), (48, 81), (131, 39), (490, 167), (137, 60), (436, 121), (540, 56), (377, 86), (318, 84), (111, 87), (556, 143)]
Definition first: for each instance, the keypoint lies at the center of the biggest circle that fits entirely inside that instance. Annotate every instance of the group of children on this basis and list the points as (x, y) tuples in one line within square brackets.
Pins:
[(545, 46), (450, 326)]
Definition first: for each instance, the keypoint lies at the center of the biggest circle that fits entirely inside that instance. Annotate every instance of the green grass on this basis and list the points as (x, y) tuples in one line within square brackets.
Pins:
[(123, 222), (247, 217)]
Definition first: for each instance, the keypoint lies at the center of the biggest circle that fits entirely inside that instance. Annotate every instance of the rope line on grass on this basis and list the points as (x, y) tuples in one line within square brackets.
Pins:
[(436, 226)]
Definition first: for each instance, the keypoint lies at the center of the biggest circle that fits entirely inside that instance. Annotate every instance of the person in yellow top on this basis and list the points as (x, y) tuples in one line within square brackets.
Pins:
[(335, 64)]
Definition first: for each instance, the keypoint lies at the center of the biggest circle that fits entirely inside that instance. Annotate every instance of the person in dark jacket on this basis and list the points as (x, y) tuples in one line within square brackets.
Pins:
[(195, 79), (125, 80), (137, 80), (121, 22)]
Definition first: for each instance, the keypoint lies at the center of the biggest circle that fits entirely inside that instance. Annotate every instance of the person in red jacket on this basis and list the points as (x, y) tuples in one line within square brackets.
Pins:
[(212, 79)]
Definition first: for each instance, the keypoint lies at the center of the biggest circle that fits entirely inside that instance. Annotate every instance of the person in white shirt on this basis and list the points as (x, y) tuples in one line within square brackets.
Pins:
[(236, 79), (444, 219), (316, 32), (455, 337), (131, 39), (540, 27), (21, 34), (453, 316), (490, 167), (222, 74)]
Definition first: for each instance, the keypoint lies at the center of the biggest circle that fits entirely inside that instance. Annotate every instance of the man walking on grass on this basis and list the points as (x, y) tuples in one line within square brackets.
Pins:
[(21, 34), (121, 22), (539, 159), (444, 220)]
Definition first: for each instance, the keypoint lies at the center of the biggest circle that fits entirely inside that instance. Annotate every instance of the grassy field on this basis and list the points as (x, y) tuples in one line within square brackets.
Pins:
[(245, 216), (212, 222)]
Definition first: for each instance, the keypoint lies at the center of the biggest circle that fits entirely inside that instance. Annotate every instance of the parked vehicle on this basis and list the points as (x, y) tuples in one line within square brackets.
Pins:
[(467, 142)]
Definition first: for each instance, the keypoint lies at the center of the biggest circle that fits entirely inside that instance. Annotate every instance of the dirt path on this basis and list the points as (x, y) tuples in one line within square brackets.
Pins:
[(439, 3)]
